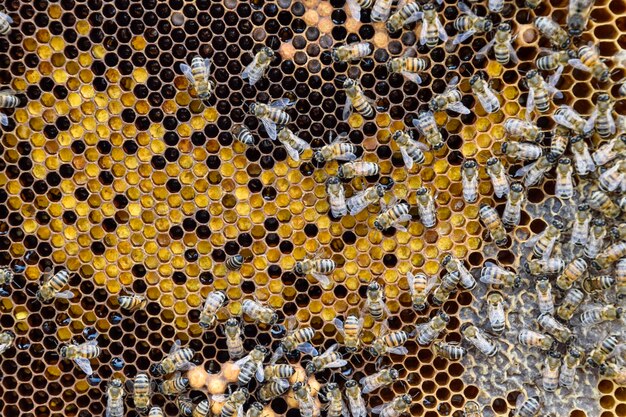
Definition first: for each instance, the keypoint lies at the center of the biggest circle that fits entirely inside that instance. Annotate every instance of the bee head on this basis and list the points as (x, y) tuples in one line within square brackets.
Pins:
[(268, 51), (332, 180), (298, 268), (419, 307), (531, 74), (598, 221), (116, 383), (558, 223), (517, 281), (470, 163), (517, 187), (373, 287), (252, 108), (318, 157), (555, 354), (429, 6), (492, 161), (487, 25), (438, 146), (297, 386), (334, 55), (373, 351), (566, 43), (465, 327), (340, 172), (565, 161), (504, 27), (618, 312), (350, 383), (552, 157), (571, 54), (390, 28), (310, 368), (261, 349), (406, 398), (614, 232), (389, 65), (623, 138), (603, 97), (393, 373), (446, 259), (380, 189), (259, 406), (421, 191), (274, 319), (398, 134), (444, 316), (576, 25), (349, 83), (603, 368), (63, 351), (232, 322), (378, 226), (474, 79)]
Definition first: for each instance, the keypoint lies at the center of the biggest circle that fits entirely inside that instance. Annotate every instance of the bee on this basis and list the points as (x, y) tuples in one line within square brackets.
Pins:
[(426, 207), (571, 362), (215, 300), (8, 100), (260, 63), (429, 331), (582, 158), (255, 410), (234, 340), (484, 94), (495, 311), (598, 283), (419, 286), (495, 6), (469, 180), (596, 238), (242, 134), (52, 285), (5, 23), (479, 339), (234, 263), (469, 24), (448, 284), (203, 409), (356, 6), (450, 99), (115, 399), (560, 140), (252, 365), (355, 399), (494, 225), (427, 126), (317, 268), (294, 145), (615, 372), (381, 10), (338, 149), (198, 75), (352, 52), (410, 149), (569, 118), (329, 359), (580, 228), (572, 300), (175, 385), (553, 32), (6, 340), (610, 150), (280, 371), (589, 61), (620, 278), (142, 390), (307, 405), (410, 12), (529, 407), (597, 315), (533, 173), (612, 178), (233, 404), (185, 406), (602, 117), (548, 323), (272, 115), (502, 44), (358, 168), (564, 187), (178, 359), (545, 266), (603, 350), (554, 60), (6, 276), (524, 130), (156, 412), (81, 353), (399, 405), (355, 98), (600, 201), (539, 92), (498, 177), (380, 379), (375, 304), (572, 273), (259, 313), (543, 243), (578, 15), (336, 197), (472, 409), (618, 232), (335, 407), (531, 338), (432, 30), (454, 265), (409, 67), (296, 340), (521, 151), (364, 198), (545, 298), (550, 374), (496, 275), (132, 302), (532, 4), (450, 351), (392, 215), (351, 332), (513, 209)]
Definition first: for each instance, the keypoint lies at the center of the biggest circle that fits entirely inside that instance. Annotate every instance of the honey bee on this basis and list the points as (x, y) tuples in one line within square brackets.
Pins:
[(521, 151), (259, 313), (81, 353), (233, 404), (351, 332), (355, 98), (364, 198), (6, 340), (615, 372), (495, 311), (381, 10), (242, 134), (469, 24), (494, 225), (484, 94), (375, 304), (564, 187), (597, 315), (545, 266), (178, 359), (336, 197), (469, 180), (198, 75), (533, 173), (5, 23), (142, 390), (596, 238), (52, 285), (317, 268), (602, 117), (610, 150), (203, 409), (580, 228), (307, 405), (450, 99), (554, 60), (479, 339), (280, 371), (598, 283), (419, 286), (572, 273), (273, 389), (132, 302), (6, 275), (572, 300), (571, 362), (448, 284), (450, 351), (156, 412), (498, 177), (618, 232), (255, 410), (115, 399), (496, 275), (329, 359), (578, 15), (409, 67), (544, 242), (532, 4), (358, 168), (502, 44), (427, 126), (569, 118), (432, 30), (338, 149), (560, 140), (234, 340), (603, 350), (355, 7), (522, 129), (589, 61), (429, 331), (531, 338), (454, 265), (351, 52), (410, 149), (620, 278), (551, 369), (380, 379), (260, 63), (600, 201), (426, 207), (234, 263), (272, 115), (215, 300), (392, 215), (548, 323), (513, 209), (175, 385), (252, 365), (612, 178), (355, 399), (545, 299), (296, 340), (472, 409), (410, 12), (336, 406), (553, 32), (540, 92), (294, 145), (399, 405), (185, 406)]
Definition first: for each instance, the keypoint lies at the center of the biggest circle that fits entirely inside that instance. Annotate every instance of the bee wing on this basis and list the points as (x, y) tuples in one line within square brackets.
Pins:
[(430, 284), (487, 104), (130, 386), (458, 107), (357, 406), (611, 122), (532, 241), (291, 151), (270, 128), (8, 92), (411, 76), (322, 279), (530, 103), (512, 53), (337, 364), (560, 119), (423, 32), (282, 103), (398, 350), (408, 161), (260, 373), (379, 408), (307, 349), (248, 73), (207, 66), (4, 120), (276, 355), (242, 361), (175, 347), (240, 411), (414, 18), (348, 156), (344, 410), (590, 123), (554, 78), (464, 8), (84, 365), (220, 398), (441, 30), (186, 70), (91, 343), (524, 170), (64, 294), (485, 49), (578, 64), (461, 37), (355, 9), (331, 349), (347, 109), (6, 17)]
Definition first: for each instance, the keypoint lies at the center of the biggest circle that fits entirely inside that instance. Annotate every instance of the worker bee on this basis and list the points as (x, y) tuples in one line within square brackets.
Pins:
[(81, 353), (595, 241), (178, 359), (336, 197), (610, 150), (571, 362), (572, 273), (615, 372), (409, 67), (296, 340), (612, 178), (203, 409), (272, 115), (472, 409), (496, 275), (495, 311), (564, 187), (259, 313), (523, 129), (620, 278), (580, 228), (351, 52), (355, 399), (234, 340), (552, 31), (6, 340), (548, 323), (198, 75), (446, 287), (479, 339), (469, 24), (252, 365), (550, 374), (531, 338), (234, 263), (355, 7), (513, 209), (498, 177), (307, 405), (426, 207), (185, 406), (141, 388), (175, 385), (399, 405), (351, 332), (469, 180), (484, 94), (539, 92), (533, 173), (273, 389), (329, 359), (375, 304), (598, 283), (578, 15), (494, 225), (454, 265), (280, 371), (529, 407), (569, 118), (392, 215), (589, 61), (408, 13), (233, 404), (5, 23), (600, 201), (572, 300), (384, 377), (336, 406), (560, 140), (544, 242), (242, 134), (52, 285), (338, 149), (545, 299), (317, 268), (156, 412), (450, 99), (355, 98), (521, 151), (545, 266), (419, 286), (427, 126), (603, 350), (255, 410), (432, 30), (260, 63), (115, 399), (215, 300), (450, 351), (554, 60), (364, 198), (132, 302), (410, 149), (357, 168), (502, 44), (602, 117), (6, 275), (381, 10), (597, 315), (294, 145), (429, 331)]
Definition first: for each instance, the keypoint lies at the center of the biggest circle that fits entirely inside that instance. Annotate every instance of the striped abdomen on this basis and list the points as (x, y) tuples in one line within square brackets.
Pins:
[(502, 53), (361, 104), (199, 72)]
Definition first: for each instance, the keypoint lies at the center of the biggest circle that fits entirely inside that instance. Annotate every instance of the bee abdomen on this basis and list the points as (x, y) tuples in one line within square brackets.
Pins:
[(234, 263)]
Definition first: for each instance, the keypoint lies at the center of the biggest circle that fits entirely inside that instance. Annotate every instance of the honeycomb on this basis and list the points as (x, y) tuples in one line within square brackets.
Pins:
[(114, 170)]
